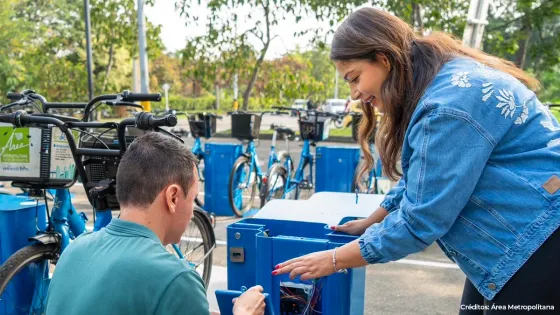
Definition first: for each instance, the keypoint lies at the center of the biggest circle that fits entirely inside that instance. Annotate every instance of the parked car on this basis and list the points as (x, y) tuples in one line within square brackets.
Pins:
[(334, 105), (299, 104)]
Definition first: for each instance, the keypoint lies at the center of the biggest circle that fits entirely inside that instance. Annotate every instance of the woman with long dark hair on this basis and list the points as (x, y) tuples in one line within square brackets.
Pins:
[(480, 158)]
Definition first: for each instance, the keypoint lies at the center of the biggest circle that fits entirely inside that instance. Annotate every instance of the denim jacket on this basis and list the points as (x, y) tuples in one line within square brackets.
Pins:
[(481, 177)]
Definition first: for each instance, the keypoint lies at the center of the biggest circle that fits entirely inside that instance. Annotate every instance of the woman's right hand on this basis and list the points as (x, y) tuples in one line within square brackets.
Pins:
[(250, 303), (355, 227), (358, 227)]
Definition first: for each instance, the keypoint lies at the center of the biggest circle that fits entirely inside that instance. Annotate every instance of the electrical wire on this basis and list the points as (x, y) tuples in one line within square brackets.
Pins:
[(101, 135), (86, 115), (90, 134)]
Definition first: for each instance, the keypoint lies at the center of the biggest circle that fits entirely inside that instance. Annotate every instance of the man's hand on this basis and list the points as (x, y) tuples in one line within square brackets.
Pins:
[(250, 303)]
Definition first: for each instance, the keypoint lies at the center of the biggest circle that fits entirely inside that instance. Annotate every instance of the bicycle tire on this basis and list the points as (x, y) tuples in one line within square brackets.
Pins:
[(302, 192), (239, 211), (200, 171), (280, 171), (22, 258), (203, 224), (338, 123)]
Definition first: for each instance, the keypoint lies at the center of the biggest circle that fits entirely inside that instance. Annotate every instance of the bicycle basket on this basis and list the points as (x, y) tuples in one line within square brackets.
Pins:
[(100, 168), (245, 126), (38, 156), (310, 129), (202, 125), (356, 119)]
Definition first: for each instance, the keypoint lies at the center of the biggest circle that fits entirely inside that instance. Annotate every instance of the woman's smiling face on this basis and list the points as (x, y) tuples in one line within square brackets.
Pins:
[(365, 78)]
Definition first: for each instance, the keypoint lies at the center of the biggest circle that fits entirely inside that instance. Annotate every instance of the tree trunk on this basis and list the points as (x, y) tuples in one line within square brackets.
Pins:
[(108, 70), (523, 43), (253, 79), (416, 18), (266, 43)]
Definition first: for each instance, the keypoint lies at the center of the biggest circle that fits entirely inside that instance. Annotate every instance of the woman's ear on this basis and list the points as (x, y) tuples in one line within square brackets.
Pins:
[(384, 61)]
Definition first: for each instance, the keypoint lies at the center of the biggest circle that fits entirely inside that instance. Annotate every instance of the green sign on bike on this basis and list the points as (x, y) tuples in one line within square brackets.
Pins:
[(14, 145)]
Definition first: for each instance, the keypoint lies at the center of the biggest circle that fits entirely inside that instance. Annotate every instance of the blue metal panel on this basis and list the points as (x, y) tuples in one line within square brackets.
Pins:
[(20, 218), (218, 162), (266, 243), (335, 168)]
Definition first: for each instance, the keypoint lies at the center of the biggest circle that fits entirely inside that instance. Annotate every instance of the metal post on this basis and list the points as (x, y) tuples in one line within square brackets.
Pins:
[(335, 84), (166, 89), (144, 86), (476, 21), (89, 60)]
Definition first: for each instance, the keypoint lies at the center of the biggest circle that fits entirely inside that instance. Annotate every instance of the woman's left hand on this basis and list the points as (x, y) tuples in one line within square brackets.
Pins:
[(312, 266)]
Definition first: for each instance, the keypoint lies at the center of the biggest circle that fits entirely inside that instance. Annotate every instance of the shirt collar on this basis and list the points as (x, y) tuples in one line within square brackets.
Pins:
[(131, 228)]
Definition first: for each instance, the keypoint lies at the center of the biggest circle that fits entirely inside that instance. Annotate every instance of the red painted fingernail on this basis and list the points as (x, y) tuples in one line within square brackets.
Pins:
[(274, 272), (332, 228), (277, 267)]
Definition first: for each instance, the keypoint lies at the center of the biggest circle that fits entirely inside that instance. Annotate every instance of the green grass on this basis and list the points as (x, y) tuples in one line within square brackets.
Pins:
[(556, 113), (342, 132)]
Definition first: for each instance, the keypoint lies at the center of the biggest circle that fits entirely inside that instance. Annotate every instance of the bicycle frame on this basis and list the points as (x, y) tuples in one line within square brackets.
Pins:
[(198, 152), (306, 158), (252, 152)]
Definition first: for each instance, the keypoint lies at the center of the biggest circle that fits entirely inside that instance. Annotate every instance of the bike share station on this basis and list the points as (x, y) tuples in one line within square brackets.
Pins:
[(281, 230), (284, 229)]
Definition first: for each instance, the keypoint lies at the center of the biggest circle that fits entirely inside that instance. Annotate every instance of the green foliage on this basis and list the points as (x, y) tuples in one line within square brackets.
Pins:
[(226, 46), (43, 45)]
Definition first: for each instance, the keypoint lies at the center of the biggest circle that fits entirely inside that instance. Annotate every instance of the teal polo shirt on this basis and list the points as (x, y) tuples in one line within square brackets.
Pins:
[(123, 269)]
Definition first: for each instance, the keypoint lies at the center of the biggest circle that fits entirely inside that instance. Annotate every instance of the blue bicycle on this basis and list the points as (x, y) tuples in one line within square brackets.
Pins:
[(282, 182), (202, 125), (368, 181), (246, 176), (24, 276), (273, 182)]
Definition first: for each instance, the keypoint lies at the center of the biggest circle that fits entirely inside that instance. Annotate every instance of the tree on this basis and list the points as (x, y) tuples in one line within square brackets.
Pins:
[(427, 15), (46, 46), (264, 16)]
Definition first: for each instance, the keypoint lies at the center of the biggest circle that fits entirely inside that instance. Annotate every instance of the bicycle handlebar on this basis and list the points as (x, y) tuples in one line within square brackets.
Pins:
[(313, 111), (127, 96), (143, 121), (14, 96)]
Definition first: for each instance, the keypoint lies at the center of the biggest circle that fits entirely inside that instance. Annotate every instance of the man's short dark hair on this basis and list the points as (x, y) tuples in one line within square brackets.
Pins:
[(152, 162)]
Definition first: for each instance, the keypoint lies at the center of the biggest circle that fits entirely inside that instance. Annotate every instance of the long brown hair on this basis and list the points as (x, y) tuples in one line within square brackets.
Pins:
[(414, 61)]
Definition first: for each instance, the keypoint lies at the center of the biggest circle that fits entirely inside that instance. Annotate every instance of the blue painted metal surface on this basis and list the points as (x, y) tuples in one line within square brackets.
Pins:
[(218, 162), (263, 243), (335, 168)]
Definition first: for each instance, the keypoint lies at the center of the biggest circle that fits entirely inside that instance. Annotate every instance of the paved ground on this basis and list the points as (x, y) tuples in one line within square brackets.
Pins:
[(423, 283)]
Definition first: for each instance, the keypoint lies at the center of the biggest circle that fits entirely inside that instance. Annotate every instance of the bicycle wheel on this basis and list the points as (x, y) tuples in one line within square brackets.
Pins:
[(242, 186), (275, 184), (200, 168), (305, 188), (362, 183), (338, 123), (197, 244), (23, 289)]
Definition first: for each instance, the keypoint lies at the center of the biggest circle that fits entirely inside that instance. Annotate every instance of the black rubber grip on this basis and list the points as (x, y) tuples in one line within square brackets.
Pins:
[(146, 121), (15, 96), (140, 97)]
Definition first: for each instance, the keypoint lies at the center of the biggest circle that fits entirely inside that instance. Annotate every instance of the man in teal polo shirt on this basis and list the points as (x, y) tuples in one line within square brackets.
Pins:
[(125, 268)]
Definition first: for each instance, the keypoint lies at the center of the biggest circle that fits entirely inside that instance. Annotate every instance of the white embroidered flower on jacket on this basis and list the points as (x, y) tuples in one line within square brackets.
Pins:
[(461, 79), (553, 143), (507, 103)]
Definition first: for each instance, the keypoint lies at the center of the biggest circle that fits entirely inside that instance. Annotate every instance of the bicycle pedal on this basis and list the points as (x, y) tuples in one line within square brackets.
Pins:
[(305, 185)]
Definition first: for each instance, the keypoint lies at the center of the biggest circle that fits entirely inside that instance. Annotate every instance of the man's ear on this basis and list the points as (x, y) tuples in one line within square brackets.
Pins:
[(172, 195)]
